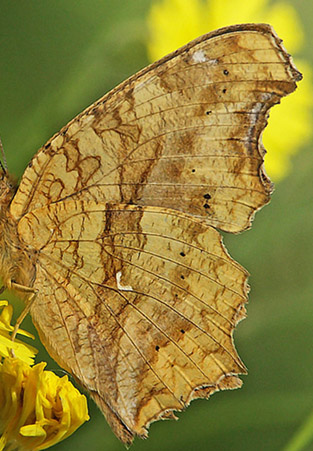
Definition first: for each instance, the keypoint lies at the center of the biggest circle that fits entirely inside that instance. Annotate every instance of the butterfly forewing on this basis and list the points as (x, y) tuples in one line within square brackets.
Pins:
[(181, 134)]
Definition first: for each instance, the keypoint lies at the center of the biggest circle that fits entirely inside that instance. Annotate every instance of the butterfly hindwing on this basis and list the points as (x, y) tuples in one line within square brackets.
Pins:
[(139, 303)]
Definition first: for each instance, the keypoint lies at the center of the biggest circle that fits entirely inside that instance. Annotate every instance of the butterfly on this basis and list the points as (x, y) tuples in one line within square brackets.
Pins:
[(112, 236)]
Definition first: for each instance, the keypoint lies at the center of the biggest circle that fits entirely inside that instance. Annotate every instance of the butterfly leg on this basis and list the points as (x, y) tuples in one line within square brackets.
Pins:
[(26, 309)]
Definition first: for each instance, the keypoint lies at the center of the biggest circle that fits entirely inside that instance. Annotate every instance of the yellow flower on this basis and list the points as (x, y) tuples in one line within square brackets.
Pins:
[(21, 350), (172, 23), (37, 408)]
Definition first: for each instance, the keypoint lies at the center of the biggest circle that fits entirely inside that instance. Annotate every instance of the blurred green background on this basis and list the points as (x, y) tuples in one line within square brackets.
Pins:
[(56, 58)]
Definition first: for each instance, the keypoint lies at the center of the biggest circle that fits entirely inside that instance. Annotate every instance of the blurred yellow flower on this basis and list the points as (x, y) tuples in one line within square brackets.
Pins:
[(173, 23), (21, 350), (37, 408)]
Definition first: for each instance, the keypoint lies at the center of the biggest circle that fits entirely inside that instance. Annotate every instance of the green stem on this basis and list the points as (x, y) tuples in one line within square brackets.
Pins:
[(302, 437)]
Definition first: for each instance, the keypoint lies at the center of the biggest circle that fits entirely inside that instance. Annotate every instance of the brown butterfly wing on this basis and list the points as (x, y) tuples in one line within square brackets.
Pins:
[(184, 133), (139, 304)]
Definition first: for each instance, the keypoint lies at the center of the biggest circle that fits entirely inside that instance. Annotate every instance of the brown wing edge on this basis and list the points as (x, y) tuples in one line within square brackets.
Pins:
[(227, 382), (114, 421)]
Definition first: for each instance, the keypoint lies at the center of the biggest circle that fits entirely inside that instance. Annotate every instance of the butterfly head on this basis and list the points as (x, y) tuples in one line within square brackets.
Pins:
[(7, 188)]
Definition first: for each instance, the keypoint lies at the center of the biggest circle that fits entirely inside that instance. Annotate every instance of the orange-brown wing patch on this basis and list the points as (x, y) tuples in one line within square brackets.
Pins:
[(183, 133), (139, 304)]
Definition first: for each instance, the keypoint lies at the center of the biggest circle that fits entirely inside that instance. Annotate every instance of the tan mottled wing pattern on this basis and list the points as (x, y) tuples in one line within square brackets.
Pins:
[(139, 303), (182, 133)]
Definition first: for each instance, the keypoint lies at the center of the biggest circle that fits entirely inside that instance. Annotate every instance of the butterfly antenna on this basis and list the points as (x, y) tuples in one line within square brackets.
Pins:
[(5, 166)]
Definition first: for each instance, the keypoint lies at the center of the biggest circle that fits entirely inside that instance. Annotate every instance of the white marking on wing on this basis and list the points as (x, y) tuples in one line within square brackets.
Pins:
[(118, 282)]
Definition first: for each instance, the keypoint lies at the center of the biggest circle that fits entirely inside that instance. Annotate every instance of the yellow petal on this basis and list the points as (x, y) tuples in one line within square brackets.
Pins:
[(230, 12), (286, 22), (182, 20), (37, 408), (21, 350), (33, 430)]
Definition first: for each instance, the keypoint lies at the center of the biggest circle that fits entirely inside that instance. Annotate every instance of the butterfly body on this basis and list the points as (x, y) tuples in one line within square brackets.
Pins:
[(16, 262), (114, 226)]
